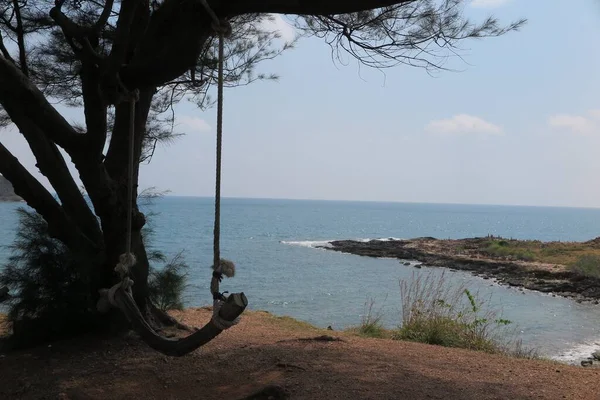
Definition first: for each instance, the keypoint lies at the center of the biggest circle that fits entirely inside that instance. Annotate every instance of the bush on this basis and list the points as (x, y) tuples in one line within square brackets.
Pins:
[(50, 286), (371, 325), (587, 265), (51, 295), (166, 285), (503, 248), (434, 312)]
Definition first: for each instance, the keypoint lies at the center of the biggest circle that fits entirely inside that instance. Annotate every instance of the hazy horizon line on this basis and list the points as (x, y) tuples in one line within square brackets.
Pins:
[(381, 201)]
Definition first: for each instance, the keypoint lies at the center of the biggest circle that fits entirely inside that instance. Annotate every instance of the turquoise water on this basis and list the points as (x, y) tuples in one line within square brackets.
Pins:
[(272, 243)]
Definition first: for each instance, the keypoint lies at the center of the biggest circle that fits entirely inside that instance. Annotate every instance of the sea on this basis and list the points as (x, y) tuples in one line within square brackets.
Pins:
[(274, 244)]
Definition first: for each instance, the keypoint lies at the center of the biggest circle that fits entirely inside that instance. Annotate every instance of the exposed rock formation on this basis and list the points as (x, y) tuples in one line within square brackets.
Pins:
[(6, 191)]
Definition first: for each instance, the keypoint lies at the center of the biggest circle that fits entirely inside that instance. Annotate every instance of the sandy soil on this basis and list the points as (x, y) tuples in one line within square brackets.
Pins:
[(264, 351)]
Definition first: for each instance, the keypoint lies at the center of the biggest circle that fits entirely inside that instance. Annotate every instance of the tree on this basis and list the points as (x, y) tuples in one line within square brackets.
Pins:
[(93, 54)]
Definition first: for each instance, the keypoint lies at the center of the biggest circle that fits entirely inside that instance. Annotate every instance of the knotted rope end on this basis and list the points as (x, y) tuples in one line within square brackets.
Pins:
[(226, 268), (126, 261)]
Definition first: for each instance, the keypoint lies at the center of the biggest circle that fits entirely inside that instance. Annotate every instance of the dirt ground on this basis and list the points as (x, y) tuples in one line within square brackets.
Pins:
[(264, 350)]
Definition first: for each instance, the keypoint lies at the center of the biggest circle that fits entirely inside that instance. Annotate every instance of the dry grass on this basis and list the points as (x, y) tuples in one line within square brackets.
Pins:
[(439, 313), (563, 253)]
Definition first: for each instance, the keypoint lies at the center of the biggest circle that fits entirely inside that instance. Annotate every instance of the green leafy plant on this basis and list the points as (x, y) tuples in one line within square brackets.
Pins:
[(371, 324), (166, 285), (437, 313), (587, 265), (50, 294)]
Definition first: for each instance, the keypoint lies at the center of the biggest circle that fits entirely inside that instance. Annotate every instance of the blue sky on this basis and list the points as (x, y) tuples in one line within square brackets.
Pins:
[(519, 125)]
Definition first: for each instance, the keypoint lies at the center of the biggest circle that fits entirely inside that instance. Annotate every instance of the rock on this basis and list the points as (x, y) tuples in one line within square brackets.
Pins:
[(586, 363), (329, 328), (407, 263), (418, 266), (596, 355), (6, 191)]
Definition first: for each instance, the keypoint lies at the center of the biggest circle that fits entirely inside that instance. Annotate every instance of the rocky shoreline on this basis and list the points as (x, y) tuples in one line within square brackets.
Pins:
[(546, 278)]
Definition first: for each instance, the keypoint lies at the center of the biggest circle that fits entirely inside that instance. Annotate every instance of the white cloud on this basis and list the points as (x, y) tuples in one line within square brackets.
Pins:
[(277, 24), (194, 123), (575, 123), (463, 123), (489, 3), (595, 113)]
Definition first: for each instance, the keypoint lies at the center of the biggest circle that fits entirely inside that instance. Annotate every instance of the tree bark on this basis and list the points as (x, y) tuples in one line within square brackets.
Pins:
[(149, 50)]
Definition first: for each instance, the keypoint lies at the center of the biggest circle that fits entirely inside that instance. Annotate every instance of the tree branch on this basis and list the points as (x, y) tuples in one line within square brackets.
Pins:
[(304, 7), (20, 38), (120, 45), (117, 155), (94, 108), (106, 11), (178, 31), (37, 197), (4, 50), (52, 165), (20, 97)]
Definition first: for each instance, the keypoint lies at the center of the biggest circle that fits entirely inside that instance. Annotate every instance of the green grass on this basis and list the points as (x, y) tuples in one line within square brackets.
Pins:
[(437, 313), (587, 265), (561, 253), (371, 325), (502, 248)]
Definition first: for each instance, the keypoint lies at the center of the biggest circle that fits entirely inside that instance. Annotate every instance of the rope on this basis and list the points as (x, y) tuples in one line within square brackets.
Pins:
[(127, 260), (132, 102), (217, 228), (222, 28)]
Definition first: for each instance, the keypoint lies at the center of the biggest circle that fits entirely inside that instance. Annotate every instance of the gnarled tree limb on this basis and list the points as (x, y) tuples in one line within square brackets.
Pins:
[(304, 7), (37, 197), (164, 57), (18, 93)]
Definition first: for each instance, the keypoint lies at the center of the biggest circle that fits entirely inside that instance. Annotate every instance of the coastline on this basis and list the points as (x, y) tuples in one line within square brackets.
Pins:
[(469, 255)]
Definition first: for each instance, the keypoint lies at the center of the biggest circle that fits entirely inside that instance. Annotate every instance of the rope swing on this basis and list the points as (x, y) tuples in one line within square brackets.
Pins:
[(226, 309), (220, 266)]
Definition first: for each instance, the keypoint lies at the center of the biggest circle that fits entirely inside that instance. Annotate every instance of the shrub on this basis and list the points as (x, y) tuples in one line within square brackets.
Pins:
[(503, 249), (49, 285), (587, 265), (50, 289), (166, 285), (434, 312), (371, 325)]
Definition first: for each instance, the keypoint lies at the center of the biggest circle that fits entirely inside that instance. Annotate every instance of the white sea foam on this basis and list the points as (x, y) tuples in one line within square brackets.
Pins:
[(308, 243), (387, 239), (577, 353), (327, 243)]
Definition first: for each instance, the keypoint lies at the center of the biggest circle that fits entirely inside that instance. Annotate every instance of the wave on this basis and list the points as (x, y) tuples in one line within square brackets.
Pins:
[(577, 353), (327, 243), (308, 243)]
